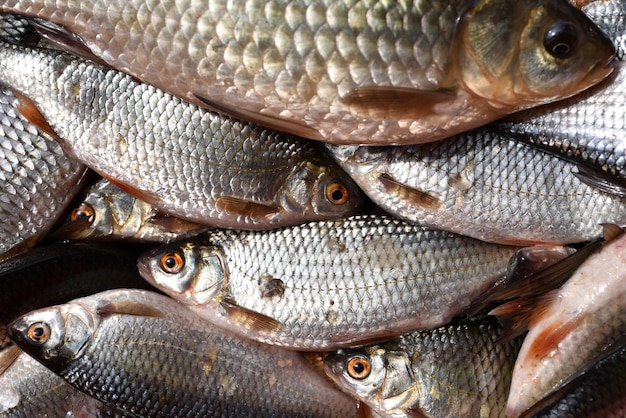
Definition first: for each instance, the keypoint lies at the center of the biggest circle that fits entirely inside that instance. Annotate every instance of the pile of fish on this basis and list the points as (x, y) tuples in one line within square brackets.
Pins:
[(312, 208)]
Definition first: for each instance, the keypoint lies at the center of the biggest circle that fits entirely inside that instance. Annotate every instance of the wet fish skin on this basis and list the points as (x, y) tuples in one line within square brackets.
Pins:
[(107, 213), (325, 285), (484, 184), (186, 161), (38, 178), (456, 370), (28, 389), (610, 17), (349, 71), (56, 273), (150, 355)]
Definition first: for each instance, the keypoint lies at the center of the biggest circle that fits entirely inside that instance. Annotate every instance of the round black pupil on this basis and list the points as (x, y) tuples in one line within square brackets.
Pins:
[(358, 367), (81, 214), (337, 194), (170, 262), (560, 39), (38, 332)]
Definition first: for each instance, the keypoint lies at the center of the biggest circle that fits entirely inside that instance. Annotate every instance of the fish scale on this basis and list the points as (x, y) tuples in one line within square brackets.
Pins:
[(313, 68)]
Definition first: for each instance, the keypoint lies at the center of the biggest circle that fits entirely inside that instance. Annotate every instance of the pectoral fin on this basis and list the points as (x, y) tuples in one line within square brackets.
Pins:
[(409, 194), (244, 207), (249, 320), (601, 181), (31, 112), (129, 308)]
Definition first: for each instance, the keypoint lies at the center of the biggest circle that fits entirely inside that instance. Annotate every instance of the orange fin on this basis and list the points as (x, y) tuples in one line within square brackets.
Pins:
[(31, 112), (129, 308), (8, 356), (145, 195), (246, 207), (550, 338), (250, 320), (601, 181), (260, 119), (611, 232), (396, 102), (414, 196), (345, 340)]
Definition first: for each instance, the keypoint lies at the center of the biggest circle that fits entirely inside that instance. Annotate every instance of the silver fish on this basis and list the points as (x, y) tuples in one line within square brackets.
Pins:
[(325, 285), (483, 184), (186, 161), (459, 370), (38, 179), (346, 71), (149, 355), (610, 16)]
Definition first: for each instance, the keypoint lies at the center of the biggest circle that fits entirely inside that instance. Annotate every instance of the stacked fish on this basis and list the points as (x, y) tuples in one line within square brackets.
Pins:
[(306, 212)]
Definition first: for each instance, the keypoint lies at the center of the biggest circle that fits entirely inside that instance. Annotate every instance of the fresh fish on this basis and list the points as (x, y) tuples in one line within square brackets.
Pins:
[(17, 29), (106, 212), (186, 161), (483, 184), (459, 370), (588, 131), (345, 71), (37, 179), (56, 273), (28, 389), (571, 328), (149, 355), (610, 16), (324, 285)]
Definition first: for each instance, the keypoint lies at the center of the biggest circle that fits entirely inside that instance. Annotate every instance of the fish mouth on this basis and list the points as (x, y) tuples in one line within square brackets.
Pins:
[(600, 71)]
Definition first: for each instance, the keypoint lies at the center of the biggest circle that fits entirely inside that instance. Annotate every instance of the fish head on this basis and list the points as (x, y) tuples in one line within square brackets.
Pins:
[(189, 272), (55, 336), (322, 190), (379, 376), (520, 54)]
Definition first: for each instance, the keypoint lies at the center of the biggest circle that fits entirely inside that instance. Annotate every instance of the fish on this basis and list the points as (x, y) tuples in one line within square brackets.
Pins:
[(58, 272), (345, 72), (149, 355), (107, 213), (185, 161), (38, 179), (570, 328), (28, 389), (327, 284), (610, 17), (582, 131), (484, 184), (17, 29), (458, 370)]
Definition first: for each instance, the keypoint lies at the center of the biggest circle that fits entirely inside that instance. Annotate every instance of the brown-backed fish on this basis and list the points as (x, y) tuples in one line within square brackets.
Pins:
[(186, 161), (346, 71), (150, 355)]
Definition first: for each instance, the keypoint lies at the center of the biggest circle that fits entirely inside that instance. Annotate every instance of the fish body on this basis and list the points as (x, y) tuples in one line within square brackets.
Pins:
[(459, 370), (107, 213), (186, 161), (572, 328), (350, 71), (484, 184), (610, 17), (328, 284), (38, 179), (149, 355)]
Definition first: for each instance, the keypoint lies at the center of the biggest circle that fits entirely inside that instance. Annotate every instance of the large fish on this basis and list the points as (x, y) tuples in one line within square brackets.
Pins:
[(186, 161), (345, 71), (324, 285), (459, 370), (150, 355), (572, 327), (483, 184)]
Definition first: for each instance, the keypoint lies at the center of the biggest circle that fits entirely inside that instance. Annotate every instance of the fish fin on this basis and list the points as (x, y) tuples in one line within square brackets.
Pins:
[(246, 207), (611, 232), (342, 340), (601, 181), (260, 118), (550, 338), (31, 112), (22, 246), (129, 308), (415, 196), (8, 356), (250, 320), (518, 315), (396, 102), (146, 196), (71, 229), (416, 413)]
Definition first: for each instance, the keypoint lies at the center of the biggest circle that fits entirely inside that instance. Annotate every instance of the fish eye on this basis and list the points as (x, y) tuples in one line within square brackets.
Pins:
[(39, 333), (560, 40), (83, 211), (172, 262), (359, 367), (337, 193)]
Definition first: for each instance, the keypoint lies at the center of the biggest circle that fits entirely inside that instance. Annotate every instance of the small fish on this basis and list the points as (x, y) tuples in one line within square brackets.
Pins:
[(38, 180), (185, 161), (56, 273), (149, 355), (571, 328), (484, 184), (459, 370), (329, 284), (106, 213), (345, 72)]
